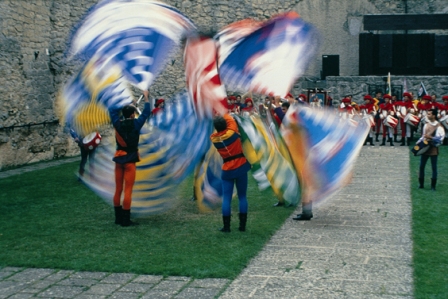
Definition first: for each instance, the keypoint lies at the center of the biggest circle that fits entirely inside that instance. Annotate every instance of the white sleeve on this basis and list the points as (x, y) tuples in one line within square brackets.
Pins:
[(440, 133), (423, 133)]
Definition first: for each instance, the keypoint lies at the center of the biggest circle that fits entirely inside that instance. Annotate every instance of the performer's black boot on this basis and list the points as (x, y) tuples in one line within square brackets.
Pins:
[(391, 142), (421, 182), (376, 137), (307, 213), (395, 138), (118, 214), (371, 141), (403, 139), (226, 227), (384, 142), (243, 220), (366, 140), (433, 184), (126, 220), (408, 141)]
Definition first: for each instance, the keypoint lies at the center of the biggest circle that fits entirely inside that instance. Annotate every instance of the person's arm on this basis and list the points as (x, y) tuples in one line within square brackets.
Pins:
[(231, 123), (146, 110)]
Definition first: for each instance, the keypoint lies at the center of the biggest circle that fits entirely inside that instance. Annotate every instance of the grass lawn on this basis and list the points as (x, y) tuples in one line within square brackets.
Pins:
[(50, 220), (430, 229)]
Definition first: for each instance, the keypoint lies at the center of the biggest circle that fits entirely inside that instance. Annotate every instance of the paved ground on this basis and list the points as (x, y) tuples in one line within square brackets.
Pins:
[(357, 246)]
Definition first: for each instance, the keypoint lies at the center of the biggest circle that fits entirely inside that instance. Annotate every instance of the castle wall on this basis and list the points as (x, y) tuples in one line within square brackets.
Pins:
[(34, 33)]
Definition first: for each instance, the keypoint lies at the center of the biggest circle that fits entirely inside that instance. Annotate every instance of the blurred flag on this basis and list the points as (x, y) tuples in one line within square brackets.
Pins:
[(265, 57), (259, 147), (323, 149), (137, 35), (422, 90), (203, 82)]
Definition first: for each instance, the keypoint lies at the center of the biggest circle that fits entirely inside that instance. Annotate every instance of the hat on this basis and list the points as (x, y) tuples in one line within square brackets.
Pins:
[(445, 98), (302, 96), (387, 96), (232, 98), (159, 101), (346, 100), (407, 94), (368, 97), (248, 100), (426, 97), (289, 95)]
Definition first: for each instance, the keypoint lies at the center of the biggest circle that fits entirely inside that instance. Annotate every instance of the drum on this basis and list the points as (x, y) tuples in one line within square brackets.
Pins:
[(390, 121), (91, 141), (369, 120), (420, 148), (412, 120), (383, 114)]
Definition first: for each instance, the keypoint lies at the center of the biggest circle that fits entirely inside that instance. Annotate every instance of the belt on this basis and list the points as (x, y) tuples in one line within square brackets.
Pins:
[(240, 155)]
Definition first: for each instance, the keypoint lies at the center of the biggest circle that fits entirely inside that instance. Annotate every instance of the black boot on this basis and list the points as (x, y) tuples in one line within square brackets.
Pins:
[(126, 220), (433, 184), (403, 139), (371, 141), (391, 142), (421, 182), (243, 220), (384, 142), (376, 137), (226, 227), (366, 140), (118, 215), (279, 204), (307, 213), (408, 141), (395, 138)]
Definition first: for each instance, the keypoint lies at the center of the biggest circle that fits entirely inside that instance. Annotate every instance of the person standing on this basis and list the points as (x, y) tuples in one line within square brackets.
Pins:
[(387, 110), (227, 141), (434, 133), (127, 135), (368, 111), (86, 153)]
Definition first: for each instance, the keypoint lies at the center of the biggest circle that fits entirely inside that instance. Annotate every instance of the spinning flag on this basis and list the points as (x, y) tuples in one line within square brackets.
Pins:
[(169, 150), (137, 35), (85, 99), (208, 183), (260, 148), (323, 149), (203, 82), (270, 57)]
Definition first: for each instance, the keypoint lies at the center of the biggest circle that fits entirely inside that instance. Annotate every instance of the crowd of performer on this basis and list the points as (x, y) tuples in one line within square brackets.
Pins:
[(395, 120)]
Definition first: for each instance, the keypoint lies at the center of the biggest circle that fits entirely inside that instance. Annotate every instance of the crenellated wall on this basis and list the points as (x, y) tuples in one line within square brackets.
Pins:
[(34, 33)]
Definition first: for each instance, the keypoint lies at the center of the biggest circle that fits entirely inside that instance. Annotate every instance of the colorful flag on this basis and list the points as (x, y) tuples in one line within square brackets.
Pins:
[(260, 148), (323, 148), (266, 57), (138, 35), (203, 82)]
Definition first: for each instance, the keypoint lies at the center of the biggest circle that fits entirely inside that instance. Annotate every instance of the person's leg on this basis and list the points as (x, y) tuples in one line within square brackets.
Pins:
[(119, 177), (434, 172), (82, 164), (421, 174), (227, 192), (129, 179), (384, 135), (241, 188), (91, 154)]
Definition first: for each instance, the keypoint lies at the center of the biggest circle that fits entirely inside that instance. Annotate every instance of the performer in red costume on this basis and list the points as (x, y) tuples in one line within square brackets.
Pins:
[(387, 110), (368, 112)]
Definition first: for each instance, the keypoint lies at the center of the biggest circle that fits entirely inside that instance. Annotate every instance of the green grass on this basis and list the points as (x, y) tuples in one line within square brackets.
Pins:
[(49, 220), (430, 229)]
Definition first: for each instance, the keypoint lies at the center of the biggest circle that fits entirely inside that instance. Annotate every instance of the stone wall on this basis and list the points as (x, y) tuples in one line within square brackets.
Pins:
[(34, 33)]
